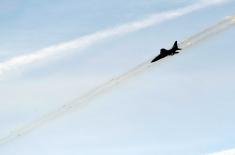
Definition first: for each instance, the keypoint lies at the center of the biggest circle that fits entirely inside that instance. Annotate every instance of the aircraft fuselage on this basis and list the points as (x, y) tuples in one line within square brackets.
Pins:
[(164, 53)]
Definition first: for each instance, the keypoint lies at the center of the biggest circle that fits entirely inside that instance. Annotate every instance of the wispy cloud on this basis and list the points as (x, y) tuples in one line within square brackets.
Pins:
[(88, 40), (225, 152)]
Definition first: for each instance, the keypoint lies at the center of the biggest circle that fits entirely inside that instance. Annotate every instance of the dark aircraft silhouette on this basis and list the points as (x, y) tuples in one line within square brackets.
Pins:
[(164, 53)]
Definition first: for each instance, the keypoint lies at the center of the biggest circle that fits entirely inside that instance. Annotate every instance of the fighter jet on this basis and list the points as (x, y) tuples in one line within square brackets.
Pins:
[(164, 53)]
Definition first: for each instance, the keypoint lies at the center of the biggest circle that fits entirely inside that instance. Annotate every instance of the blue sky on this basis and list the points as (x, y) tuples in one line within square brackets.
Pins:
[(181, 106)]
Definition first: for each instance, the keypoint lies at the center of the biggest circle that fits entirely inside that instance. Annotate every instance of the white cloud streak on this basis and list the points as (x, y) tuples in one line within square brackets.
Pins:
[(225, 152), (86, 41)]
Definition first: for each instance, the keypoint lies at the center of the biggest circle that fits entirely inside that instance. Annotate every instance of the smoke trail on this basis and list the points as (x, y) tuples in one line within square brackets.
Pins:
[(82, 101), (88, 40), (213, 30)]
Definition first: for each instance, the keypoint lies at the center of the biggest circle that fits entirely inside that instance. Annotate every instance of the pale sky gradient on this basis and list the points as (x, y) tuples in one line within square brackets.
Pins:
[(181, 106)]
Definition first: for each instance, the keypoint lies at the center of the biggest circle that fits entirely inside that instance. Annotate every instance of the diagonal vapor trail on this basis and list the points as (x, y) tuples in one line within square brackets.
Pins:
[(86, 41), (225, 152), (82, 101), (213, 30)]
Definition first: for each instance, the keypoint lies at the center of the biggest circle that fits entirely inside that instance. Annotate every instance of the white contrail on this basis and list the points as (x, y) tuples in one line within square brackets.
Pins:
[(82, 101), (88, 40), (219, 27), (225, 152)]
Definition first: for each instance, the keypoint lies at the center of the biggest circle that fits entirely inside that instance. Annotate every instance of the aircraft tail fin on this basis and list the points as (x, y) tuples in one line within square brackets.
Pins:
[(175, 46)]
